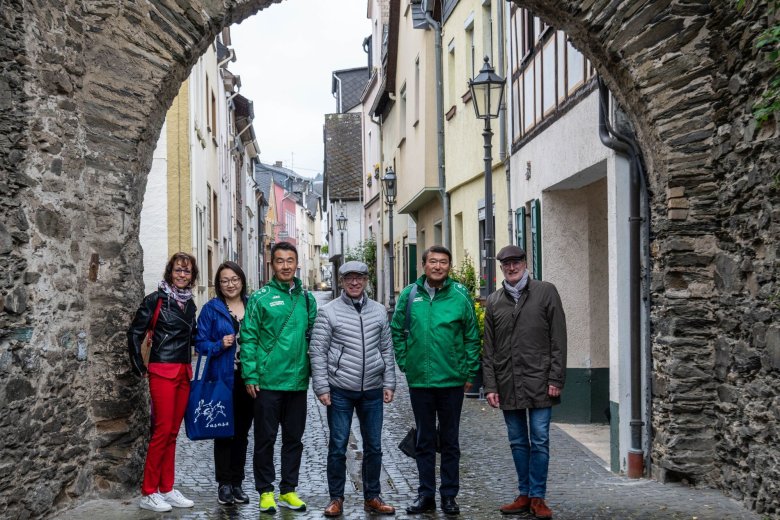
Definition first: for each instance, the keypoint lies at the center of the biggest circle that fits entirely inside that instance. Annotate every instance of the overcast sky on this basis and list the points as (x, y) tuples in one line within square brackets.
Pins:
[(285, 57)]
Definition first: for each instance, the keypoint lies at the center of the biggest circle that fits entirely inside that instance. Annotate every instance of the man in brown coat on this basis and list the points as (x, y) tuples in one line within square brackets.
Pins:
[(524, 368)]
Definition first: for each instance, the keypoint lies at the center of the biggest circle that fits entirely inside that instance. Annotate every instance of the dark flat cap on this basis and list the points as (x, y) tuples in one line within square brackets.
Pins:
[(353, 266), (510, 253)]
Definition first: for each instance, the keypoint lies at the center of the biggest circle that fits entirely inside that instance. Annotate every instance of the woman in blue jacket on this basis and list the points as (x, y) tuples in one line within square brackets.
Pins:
[(219, 324)]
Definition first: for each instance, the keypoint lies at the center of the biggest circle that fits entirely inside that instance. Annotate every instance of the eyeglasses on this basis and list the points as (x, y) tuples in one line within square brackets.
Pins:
[(354, 278), (512, 263), (230, 281), (182, 271)]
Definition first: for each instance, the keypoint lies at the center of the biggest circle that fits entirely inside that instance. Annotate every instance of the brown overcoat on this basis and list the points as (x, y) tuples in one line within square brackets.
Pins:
[(525, 346)]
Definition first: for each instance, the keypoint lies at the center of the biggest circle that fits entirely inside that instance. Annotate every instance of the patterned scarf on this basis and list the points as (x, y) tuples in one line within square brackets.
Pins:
[(182, 296), (515, 290)]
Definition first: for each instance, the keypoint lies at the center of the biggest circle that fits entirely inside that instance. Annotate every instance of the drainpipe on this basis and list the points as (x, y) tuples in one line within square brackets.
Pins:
[(503, 156), (627, 146), (445, 199)]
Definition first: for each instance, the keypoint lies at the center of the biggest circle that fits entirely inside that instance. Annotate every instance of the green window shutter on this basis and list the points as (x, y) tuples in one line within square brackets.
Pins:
[(536, 237), (412, 252), (520, 230)]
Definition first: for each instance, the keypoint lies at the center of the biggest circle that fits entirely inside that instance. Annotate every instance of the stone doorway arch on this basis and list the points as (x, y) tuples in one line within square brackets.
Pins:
[(83, 93)]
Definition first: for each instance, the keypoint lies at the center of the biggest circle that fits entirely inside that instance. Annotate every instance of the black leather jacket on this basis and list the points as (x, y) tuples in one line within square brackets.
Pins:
[(174, 333)]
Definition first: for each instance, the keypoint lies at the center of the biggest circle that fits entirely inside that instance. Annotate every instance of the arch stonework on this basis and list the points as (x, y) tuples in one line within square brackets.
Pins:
[(84, 88)]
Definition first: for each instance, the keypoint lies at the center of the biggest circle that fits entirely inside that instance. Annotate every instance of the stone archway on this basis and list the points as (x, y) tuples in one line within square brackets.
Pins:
[(83, 93)]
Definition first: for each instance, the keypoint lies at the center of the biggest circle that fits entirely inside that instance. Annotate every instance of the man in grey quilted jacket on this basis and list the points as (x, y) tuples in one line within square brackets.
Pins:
[(353, 369)]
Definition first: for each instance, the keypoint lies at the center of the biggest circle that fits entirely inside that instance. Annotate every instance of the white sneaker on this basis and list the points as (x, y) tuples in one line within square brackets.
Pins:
[(176, 499), (154, 502)]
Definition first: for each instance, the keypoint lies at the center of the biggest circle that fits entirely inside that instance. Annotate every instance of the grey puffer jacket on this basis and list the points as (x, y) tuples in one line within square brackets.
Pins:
[(351, 350)]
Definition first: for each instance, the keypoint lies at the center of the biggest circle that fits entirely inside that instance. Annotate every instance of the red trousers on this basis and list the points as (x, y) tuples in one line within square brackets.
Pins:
[(169, 386)]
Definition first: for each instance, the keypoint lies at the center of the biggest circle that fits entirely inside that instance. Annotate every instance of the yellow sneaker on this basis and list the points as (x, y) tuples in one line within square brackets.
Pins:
[(267, 502), (291, 501)]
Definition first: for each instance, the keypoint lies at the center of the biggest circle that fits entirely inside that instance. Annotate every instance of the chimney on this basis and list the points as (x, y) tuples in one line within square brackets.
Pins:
[(278, 164)]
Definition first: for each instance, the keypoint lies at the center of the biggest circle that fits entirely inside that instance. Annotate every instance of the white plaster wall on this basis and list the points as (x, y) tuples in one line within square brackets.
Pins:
[(568, 146), (566, 263), (153, 232), (598, 252)]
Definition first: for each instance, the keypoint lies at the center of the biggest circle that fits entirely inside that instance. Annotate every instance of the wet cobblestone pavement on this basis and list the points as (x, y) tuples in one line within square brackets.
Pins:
[(579, 486)]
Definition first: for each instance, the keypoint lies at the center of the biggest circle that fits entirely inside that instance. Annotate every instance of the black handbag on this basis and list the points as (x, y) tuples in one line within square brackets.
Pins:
[(408, 444)]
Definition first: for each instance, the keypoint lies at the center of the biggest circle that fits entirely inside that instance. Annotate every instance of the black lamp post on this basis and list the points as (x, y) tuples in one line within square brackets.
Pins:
[(487, 93), (341, 224), (390, 189)]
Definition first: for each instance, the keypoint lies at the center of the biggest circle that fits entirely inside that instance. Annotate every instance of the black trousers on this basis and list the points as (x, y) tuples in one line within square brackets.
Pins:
[(428, 404), (274, 408), (230, 453)]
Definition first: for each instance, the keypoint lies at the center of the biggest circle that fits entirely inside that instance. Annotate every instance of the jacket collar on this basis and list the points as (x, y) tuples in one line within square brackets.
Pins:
[(284, 287), (421, 282), (348, 300)]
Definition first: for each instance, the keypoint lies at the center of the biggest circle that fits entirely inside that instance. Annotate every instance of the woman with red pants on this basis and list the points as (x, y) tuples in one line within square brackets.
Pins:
[(169, 373)]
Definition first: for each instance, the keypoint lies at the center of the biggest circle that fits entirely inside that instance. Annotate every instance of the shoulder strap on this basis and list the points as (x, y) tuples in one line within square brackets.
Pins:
[(155, 315), (407, 321)]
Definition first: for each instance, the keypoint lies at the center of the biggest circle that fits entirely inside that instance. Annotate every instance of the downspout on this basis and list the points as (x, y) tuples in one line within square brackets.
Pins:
[(627, 146), (503, 156), (445, 199)]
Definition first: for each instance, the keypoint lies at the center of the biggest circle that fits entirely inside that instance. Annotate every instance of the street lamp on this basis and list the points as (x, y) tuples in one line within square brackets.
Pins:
[(390, 189), (341, 224), (487, 93)]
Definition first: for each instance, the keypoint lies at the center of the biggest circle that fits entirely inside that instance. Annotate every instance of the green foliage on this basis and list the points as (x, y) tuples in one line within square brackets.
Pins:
[(769, 43), (466, 274), (365, 252), (324, 249)]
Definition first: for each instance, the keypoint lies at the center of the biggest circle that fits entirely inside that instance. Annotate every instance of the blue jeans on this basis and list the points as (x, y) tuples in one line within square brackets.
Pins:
[(369, 405), (428, 405), (530, 451)]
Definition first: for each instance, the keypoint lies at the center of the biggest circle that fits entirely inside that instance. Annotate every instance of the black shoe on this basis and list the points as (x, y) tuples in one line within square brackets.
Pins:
[(449, 506), (225, 495), (422, 504), (238, 495)]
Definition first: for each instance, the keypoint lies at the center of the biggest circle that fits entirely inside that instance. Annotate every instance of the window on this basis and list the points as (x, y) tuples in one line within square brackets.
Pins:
[(416, 90), (546, 71), (290, 224), (536, 238), (487, 32), (214, 216), (470, 51), (437, 233), (520, 228), (206, 114), (208, 210), (213, 116), (451, 73), (402, 113)]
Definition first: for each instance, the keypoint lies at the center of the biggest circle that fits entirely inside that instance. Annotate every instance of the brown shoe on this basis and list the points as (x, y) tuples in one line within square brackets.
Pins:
[(520, 505), (539, 509), (377, 505), (335, 507)]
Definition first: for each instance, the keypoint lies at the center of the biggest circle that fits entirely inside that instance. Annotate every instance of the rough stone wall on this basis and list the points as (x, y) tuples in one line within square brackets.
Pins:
[(83, 92), (687, 72)]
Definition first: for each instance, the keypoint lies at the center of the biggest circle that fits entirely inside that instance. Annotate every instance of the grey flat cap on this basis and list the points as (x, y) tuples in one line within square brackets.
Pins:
[(353, 266), (510, 253)]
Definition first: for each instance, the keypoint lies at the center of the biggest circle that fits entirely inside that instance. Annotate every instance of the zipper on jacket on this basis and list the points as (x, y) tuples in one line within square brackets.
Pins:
[(363, 341)]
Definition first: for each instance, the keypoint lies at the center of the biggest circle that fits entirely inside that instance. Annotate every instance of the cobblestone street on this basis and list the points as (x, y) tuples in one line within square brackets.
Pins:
[(579, 486)]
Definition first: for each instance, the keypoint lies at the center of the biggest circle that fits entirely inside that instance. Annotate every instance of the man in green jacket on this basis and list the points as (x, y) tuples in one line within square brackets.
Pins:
[(440, 356), (275, 367)]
